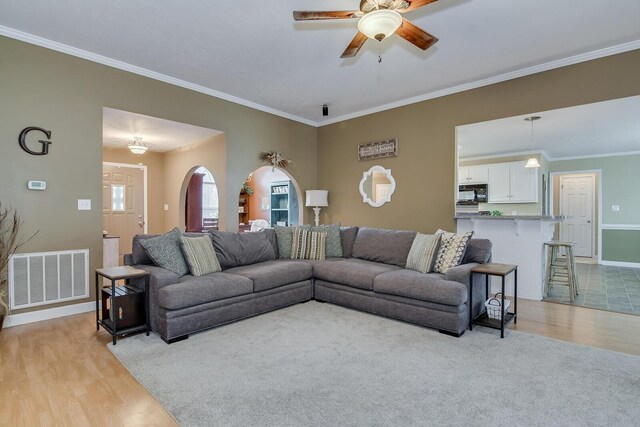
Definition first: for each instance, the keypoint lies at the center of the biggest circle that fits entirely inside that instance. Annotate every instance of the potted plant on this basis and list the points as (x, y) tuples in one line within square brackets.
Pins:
[(10, 224)]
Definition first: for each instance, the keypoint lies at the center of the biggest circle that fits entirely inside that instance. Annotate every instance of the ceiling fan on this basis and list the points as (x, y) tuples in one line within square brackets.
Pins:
[(378, 19)]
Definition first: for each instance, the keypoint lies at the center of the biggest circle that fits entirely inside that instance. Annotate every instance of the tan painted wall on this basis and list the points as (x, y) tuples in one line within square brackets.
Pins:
[(260, 183), (40, 87), (179, 165), (425, 169), (155, 181)]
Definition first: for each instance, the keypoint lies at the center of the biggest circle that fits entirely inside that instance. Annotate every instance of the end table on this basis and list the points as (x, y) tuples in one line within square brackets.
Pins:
[(500, 270), (117, 299)]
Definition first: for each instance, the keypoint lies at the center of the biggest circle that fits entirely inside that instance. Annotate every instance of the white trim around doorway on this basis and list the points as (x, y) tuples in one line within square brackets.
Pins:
[(598, 191), (144, 185)]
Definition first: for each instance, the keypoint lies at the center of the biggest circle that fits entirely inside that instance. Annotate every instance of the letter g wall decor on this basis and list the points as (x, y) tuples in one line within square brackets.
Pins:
[(22, 139)]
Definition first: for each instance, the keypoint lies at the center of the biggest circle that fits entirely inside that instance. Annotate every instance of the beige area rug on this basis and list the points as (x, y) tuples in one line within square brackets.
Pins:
[(322, 365)]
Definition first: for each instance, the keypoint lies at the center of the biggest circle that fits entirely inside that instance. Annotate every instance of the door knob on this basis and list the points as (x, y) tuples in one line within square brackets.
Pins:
[(588, 221), (140, 223)]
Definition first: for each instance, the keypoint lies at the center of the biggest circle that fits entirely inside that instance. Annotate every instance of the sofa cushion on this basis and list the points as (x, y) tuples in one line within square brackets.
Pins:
[(348, 237), (236, 249), (387, 246), (165, 252), (452, 249), (284, 238), (423, 252), (273, 274), (200, 255), (271, 237), (308, 244), (357, 273), (138, 253), (333, 245), (190, 291), (478, 250), (425, 287)]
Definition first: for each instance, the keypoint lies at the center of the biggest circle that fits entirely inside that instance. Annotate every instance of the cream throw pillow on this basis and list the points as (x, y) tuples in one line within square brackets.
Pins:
[(200, 255), (452, 249), (423, 252), (308, 244)]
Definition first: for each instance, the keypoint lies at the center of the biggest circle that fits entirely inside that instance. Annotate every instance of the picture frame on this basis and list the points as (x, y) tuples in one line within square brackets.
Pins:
[(378, 150)]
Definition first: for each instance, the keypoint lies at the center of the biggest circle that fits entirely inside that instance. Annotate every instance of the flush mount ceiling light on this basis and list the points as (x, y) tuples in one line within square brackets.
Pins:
[(137, 147), (379, 19), (379, 23), (533, 161)]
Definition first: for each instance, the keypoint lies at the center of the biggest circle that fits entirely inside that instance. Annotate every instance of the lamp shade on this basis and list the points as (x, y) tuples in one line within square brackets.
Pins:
[(317, 198), (379, 24), (532, 163)]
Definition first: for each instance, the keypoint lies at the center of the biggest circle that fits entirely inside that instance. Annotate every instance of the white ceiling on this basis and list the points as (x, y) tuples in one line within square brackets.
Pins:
[(603, 128), (252, 51), (120, 127)]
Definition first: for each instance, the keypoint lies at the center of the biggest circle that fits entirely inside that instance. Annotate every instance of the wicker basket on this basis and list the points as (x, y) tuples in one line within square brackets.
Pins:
[(493, 307)]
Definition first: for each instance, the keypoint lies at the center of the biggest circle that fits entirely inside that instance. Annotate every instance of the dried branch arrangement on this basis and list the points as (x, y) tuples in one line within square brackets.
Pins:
[(10, 224), (274, 158)]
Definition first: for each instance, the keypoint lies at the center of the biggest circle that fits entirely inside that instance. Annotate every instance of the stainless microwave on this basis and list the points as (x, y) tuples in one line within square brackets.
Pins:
[(473, 194)]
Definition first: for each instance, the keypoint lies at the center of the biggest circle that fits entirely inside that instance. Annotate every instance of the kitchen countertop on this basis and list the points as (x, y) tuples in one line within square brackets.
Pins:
[(512, 217)]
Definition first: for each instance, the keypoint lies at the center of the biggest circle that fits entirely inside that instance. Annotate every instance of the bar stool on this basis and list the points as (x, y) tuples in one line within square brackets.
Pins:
[(561, 270)]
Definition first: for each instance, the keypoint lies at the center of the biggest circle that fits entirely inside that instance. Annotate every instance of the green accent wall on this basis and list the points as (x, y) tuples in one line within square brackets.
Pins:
[(621, 245)]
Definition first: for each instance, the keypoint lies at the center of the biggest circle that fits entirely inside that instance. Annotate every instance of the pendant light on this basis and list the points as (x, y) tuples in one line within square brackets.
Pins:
[(137, 147), (533, 161)]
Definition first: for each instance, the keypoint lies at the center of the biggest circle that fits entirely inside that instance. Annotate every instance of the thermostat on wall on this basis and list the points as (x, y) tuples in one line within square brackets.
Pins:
[(37, 185)]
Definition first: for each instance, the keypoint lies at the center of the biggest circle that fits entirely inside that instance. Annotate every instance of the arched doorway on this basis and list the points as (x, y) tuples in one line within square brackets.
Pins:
[(269, 194), (202, 206)]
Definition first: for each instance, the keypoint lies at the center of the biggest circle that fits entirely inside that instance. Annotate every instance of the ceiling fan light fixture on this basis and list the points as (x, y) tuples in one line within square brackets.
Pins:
[(137, 147), (379, 24)]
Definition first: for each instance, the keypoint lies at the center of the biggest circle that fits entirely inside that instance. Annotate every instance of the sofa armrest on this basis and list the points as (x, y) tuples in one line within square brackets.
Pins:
[(127, 259), (462, 274), (158, 279)]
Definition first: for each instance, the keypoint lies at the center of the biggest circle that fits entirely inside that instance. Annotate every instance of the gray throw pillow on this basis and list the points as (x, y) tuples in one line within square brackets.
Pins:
[(165, 252), (423, 252), (334, 240), (199, 253), (284, 237)]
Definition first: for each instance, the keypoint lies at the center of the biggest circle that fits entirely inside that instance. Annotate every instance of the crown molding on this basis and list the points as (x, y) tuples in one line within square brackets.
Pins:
[(80, 53), (583, 57), (104, 60), (594, 156)]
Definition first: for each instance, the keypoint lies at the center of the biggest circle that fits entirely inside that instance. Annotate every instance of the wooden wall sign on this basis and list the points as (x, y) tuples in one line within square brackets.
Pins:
[(378, 150), (22, 139)]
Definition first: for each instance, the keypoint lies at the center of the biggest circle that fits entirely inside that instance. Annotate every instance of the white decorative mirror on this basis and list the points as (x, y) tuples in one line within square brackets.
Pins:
[(377, 186)]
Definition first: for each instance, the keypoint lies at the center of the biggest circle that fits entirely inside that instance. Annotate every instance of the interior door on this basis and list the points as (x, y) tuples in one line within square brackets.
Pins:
[(123, 203), (576, 201)]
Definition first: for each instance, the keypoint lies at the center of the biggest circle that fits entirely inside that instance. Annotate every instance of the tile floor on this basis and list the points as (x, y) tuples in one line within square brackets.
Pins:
[(610, 288)]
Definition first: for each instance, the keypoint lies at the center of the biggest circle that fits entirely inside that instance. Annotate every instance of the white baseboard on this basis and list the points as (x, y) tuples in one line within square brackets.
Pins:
[(50, 313), (621, 264)]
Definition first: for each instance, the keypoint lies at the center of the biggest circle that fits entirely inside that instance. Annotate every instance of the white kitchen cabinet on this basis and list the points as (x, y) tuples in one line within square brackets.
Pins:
[(513, 183), (473, 175)]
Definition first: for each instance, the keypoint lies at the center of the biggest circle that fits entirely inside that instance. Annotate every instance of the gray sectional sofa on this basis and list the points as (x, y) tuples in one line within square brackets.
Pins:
[(370, 277)]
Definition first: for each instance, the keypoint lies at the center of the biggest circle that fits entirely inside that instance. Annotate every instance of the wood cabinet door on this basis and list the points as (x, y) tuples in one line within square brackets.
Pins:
[(499, 177), (524, 183)]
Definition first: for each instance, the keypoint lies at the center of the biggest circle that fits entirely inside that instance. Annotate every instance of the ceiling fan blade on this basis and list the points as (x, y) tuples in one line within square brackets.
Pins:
[(415, 4), (415, 35), (337, 14), (354, 46)]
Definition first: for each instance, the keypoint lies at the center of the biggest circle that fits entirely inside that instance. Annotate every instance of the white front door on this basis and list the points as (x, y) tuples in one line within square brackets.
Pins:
[(576, 202)]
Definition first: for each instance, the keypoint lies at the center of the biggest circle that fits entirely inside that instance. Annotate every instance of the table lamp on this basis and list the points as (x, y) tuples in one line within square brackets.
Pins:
[(317, 199)]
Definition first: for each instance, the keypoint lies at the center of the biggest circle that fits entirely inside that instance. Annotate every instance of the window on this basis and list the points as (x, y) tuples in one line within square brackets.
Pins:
[(209, 194), (117, 198)]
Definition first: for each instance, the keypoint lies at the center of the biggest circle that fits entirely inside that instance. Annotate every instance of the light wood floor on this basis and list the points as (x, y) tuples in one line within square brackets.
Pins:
[(59, 372)]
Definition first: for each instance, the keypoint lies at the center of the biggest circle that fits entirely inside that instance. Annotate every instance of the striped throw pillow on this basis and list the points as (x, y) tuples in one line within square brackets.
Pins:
[(308, 244), (452, 249), (200, 255), (423, 252)]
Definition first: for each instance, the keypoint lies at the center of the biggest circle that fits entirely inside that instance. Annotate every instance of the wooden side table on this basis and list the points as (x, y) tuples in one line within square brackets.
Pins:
[(118, 298), (500, 270)]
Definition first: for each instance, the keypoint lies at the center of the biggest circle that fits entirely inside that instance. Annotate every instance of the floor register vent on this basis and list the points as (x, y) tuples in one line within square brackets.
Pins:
[(48, 277)]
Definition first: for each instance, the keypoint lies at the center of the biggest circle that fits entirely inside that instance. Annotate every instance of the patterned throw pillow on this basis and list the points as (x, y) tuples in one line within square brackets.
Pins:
[(200, 255), (165, 252), (284, 239), (423, 252), (451, 252), (308, 244), (334, 241)]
